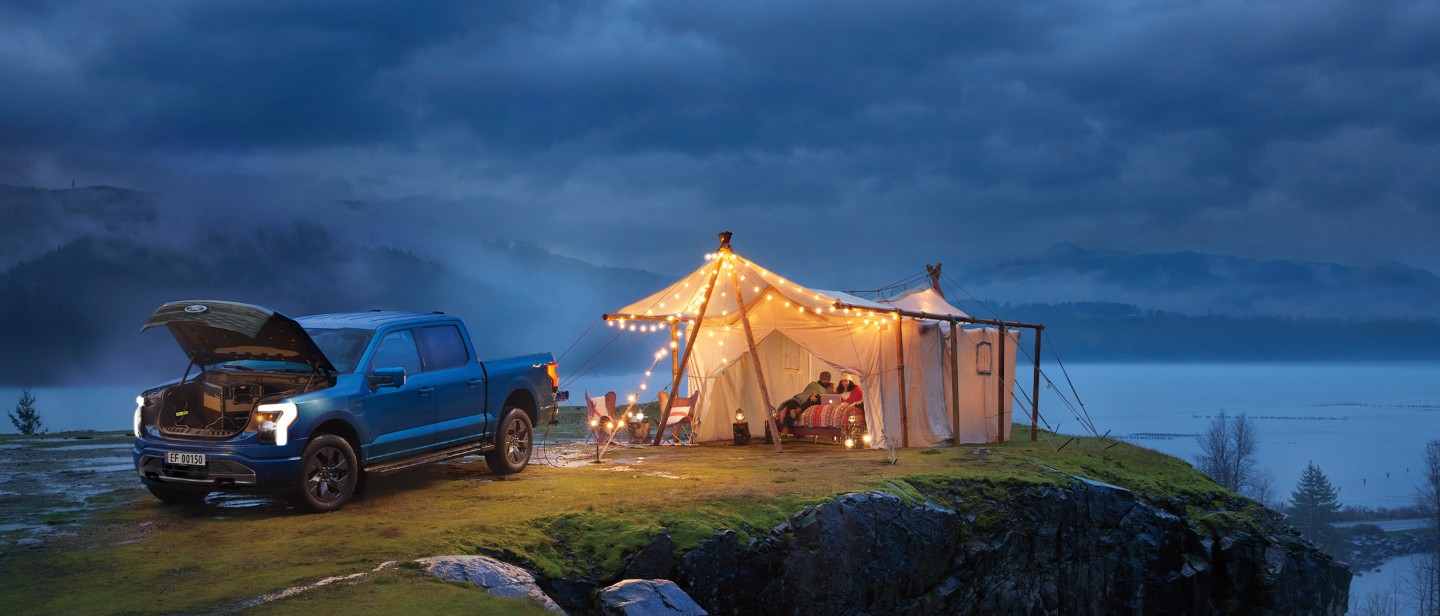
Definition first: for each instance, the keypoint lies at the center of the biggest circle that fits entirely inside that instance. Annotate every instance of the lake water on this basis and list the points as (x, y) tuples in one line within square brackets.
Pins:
[(1364, 424), (1391, 578)]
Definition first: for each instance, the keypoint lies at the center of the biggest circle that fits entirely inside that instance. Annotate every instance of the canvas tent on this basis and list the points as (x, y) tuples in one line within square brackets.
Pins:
[(798, 331)]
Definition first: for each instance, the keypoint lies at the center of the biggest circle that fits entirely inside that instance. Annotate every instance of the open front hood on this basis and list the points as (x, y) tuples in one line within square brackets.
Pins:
[(212, 331)]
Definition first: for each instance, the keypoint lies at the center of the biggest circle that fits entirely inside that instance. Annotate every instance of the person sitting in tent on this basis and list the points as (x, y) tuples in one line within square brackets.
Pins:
[(810, 396), (850, 392)]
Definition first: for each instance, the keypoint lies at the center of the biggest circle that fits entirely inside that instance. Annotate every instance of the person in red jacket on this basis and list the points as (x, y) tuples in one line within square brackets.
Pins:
[(851, 392)]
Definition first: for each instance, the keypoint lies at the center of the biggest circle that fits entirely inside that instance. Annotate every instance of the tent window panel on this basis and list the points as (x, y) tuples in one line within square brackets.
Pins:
[(984, 358), (794, 357)]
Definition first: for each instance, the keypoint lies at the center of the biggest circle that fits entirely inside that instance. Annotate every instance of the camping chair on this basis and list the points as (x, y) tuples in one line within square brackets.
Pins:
[(681, 414), (602, 408)]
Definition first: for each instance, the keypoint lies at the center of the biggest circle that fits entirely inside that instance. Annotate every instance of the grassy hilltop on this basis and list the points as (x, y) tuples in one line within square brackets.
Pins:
[(134, 555)]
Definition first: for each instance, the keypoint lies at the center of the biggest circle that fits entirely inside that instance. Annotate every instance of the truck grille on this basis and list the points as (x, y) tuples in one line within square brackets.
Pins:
[(218, 472)]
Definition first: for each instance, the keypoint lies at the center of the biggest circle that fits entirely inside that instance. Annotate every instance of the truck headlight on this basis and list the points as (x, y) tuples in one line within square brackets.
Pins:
[(139, 404), (273, 421)]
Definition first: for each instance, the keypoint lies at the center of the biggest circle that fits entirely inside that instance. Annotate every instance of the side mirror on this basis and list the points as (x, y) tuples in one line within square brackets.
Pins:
[(386, 377)]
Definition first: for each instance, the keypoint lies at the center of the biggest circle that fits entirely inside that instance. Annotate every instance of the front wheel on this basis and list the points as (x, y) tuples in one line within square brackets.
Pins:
[(329, 473), (512, 445)]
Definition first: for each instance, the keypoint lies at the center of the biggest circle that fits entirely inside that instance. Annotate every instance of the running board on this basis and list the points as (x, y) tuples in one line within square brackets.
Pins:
[(429, 458)]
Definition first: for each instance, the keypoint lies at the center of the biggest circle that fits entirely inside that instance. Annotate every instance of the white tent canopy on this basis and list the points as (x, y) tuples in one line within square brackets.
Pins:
[(800, 331)]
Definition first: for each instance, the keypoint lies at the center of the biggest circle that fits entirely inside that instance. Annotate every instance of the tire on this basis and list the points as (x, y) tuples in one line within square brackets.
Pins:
[(329, 473), (513, 444), (178, 496)]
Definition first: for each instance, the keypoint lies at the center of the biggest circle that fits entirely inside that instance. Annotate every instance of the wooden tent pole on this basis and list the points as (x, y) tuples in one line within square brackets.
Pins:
[(1000, 403), (955, 379), (674, 346), (900, 361), (690, 343), (1035, 390), (755, 358)]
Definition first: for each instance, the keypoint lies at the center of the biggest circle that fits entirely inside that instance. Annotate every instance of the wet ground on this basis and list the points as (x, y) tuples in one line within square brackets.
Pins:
[(52, 484)]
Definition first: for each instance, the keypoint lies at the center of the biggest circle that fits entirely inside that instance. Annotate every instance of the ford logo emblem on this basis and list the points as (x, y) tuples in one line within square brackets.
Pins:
[(197, 308)]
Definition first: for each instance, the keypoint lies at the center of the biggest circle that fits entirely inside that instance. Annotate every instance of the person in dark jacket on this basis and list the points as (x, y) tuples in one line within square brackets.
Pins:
[(808, 397)]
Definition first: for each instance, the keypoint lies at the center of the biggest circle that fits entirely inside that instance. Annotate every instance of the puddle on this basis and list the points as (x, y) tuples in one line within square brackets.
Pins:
[(113, 468), (238, 501), (116, 446)]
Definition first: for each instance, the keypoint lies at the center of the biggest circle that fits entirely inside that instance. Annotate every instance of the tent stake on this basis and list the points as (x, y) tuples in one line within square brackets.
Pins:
[(755, 358), (690, 344)]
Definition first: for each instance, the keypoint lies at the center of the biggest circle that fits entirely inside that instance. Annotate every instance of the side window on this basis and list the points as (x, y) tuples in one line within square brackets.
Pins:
[(447, 347), (397, 349)]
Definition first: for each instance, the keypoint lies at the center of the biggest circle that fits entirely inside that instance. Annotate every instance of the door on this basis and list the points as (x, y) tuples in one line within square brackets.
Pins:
[(459, 385), (401, 418)]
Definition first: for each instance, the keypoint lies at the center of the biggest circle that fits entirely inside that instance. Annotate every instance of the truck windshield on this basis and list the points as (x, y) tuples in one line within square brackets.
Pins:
[(342, 347)]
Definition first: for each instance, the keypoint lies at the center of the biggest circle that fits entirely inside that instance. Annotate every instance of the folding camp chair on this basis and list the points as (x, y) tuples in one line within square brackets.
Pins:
[(682, 412), (602, 411)]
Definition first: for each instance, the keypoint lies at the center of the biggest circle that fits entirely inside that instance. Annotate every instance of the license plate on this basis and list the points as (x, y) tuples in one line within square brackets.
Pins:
[(185, 459)]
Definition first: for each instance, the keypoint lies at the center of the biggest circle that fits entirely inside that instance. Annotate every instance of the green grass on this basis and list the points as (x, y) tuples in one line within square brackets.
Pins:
[(581, 520)]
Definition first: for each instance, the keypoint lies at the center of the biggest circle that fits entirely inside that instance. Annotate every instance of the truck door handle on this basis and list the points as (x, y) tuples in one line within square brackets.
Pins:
[(473, 383), (425, 391)]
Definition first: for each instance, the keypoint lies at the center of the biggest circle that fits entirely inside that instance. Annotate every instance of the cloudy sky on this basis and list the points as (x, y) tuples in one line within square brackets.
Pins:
[(627, 133)]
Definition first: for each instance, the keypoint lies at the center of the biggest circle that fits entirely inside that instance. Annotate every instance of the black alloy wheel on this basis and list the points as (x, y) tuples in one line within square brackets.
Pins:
[(328, 476), (512, 449)]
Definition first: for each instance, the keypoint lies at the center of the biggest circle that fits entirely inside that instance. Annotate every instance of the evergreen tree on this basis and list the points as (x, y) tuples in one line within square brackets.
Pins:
[(25, 417), (1313, 506)]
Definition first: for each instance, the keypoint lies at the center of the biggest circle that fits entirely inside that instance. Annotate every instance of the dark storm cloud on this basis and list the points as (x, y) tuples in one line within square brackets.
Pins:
[(1261, 128)]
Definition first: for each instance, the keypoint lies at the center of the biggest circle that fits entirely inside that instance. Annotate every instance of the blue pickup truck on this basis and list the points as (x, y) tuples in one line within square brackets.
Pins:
[(311, 406)]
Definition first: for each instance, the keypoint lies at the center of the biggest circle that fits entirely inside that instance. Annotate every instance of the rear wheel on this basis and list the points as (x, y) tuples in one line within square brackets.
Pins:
[(512, 444), (178, 496), (329, 473)]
